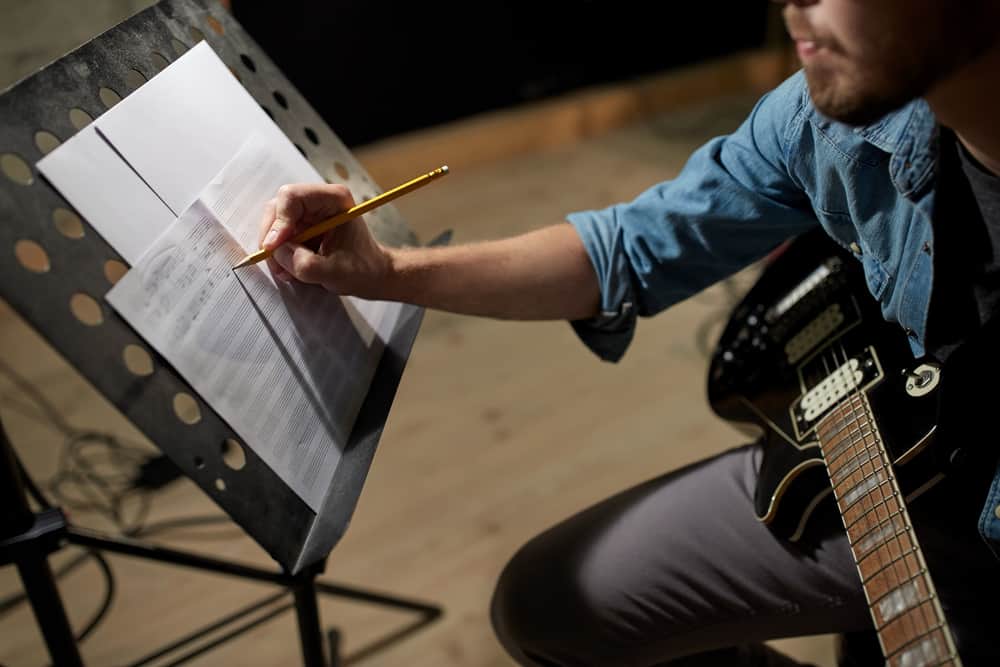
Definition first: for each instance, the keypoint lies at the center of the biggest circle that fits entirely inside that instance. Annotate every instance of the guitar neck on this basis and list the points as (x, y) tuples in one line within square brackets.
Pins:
[(905, 608)]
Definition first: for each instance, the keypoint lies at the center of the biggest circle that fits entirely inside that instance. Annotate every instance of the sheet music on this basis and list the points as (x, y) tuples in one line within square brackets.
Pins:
[(237, 194), (287, 373)]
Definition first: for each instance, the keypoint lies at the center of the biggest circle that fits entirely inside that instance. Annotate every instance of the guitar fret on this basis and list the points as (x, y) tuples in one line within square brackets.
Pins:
[(889, 505), (864, 483), (834, 429), (838, 474), (868, 545), (878, 487), (928, 645), (896, 589), (845, 444), (906, 637), (885, 566), (909, 627), (846, 460)]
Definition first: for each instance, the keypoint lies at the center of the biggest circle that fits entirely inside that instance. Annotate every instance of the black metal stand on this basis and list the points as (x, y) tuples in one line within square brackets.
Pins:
[(27, 538), (52, 105)]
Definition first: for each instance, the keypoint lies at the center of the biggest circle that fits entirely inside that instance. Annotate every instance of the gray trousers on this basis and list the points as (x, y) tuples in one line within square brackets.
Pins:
[(679, 571)]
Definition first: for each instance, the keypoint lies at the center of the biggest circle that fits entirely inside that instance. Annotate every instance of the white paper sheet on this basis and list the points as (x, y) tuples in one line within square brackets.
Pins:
[(281, 363), (183, 125), (107, 193), (289, 387)]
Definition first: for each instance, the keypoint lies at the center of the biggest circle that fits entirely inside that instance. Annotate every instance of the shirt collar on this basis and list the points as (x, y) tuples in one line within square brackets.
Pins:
[(910, 135)]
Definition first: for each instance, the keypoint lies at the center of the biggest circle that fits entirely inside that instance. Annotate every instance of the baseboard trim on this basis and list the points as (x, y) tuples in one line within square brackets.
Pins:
[(568, 118)]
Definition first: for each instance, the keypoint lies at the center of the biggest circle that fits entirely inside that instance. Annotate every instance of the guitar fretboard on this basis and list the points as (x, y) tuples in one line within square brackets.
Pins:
[(905, 608)]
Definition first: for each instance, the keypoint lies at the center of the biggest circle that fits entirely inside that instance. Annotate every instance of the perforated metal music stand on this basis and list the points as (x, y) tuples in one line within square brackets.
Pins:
[(79, 268)]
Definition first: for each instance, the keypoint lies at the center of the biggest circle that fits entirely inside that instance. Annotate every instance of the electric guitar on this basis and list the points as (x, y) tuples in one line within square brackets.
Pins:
[(846, 412)]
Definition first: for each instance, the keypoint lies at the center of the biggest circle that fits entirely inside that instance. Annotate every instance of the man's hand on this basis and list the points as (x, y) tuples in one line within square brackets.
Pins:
[(544, 274), (346, 260)]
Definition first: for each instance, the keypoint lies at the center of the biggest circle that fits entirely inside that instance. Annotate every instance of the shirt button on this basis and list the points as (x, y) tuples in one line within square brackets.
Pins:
[(855, 248), (910, 332), (927, 247), (996, 512)]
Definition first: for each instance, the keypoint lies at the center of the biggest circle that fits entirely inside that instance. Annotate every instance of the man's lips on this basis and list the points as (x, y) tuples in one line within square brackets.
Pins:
[(806, 47), (805, 43)]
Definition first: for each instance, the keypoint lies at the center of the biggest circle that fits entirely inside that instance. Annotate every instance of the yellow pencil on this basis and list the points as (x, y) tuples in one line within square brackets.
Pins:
[(351, 213)]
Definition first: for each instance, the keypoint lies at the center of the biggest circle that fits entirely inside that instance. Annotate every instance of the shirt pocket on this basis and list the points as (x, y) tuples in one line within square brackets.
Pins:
[(841, 228), (876, 277)]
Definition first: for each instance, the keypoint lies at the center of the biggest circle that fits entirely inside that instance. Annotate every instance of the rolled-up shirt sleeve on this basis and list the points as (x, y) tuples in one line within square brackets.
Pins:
[(733, 202)]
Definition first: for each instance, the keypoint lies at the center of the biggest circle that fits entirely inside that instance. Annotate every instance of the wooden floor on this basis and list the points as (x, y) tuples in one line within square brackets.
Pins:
[(499, 430)]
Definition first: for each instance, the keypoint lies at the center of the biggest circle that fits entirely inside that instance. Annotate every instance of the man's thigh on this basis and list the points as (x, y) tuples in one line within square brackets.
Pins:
[(672, 567)]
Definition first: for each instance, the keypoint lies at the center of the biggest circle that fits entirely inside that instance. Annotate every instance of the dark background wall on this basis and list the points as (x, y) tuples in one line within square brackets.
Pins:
[(375, 69)]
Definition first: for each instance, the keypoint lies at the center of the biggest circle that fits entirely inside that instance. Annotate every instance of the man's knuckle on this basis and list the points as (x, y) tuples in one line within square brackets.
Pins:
[(341, 192), (307, 266)]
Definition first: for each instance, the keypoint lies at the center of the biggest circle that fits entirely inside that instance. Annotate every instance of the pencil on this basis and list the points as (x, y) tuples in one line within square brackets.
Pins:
[(351, 213)]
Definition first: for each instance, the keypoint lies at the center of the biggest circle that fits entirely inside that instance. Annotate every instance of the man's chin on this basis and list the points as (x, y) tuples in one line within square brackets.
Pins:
[(853, 105), (856, 114)]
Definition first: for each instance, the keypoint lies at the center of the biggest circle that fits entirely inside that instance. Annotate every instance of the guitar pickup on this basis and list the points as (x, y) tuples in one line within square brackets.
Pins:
[(830, 388)]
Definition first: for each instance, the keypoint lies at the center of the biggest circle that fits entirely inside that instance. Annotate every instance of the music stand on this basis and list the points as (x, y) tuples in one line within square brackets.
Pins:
[(79, 268)]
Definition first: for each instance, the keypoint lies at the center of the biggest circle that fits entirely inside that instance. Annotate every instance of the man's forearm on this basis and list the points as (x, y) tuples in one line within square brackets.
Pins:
[(544, 274)]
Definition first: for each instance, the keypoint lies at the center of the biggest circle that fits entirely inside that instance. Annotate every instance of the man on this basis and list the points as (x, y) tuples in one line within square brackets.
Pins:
[(889, 139)]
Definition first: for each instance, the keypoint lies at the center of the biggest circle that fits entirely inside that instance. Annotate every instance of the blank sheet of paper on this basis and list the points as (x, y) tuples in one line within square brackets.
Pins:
[(183, 125), (107, 193)]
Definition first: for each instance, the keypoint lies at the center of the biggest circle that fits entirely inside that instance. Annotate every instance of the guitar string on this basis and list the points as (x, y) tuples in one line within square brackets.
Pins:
[(855, 436), (888, 569), (857, 409), (924, 611), (852, 394)]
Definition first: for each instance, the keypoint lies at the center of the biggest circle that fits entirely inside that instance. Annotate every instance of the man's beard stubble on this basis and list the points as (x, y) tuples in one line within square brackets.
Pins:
[(903, 65)]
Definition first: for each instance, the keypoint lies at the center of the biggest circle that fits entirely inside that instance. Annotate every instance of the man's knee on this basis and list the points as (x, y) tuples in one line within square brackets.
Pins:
[(539, 608)]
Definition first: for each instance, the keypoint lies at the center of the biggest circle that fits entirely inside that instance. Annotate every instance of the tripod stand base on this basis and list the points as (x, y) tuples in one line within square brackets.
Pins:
[(303, 586)]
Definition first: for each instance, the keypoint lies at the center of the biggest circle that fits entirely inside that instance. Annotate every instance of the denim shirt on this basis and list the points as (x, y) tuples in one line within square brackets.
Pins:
[(785, 169)]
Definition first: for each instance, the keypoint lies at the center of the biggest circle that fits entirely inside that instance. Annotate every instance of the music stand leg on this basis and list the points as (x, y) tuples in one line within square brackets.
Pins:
[(304, 587), (26, 539), (36, 575), (307, 613)]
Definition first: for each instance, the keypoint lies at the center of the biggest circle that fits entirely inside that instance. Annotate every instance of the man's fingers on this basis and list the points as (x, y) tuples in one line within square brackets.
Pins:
[(302, 205), (266, 220), (301, 263), (276, 271)]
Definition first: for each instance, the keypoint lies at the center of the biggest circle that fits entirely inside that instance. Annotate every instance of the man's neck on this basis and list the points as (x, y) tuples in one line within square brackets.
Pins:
[(968, 102)]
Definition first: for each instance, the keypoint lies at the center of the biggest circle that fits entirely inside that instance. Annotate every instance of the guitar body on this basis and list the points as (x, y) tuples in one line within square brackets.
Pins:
[(849, 417), (809, 314)]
